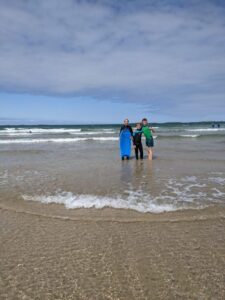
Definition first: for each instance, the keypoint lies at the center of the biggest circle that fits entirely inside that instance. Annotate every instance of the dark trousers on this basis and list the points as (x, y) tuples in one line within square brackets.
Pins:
[(139, 148)]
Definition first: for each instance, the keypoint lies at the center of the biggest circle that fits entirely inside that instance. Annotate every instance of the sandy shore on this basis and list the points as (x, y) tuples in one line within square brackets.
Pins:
[(166, 256)]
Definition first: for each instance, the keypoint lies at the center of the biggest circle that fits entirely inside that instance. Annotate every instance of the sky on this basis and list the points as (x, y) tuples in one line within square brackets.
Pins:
[(102, 61)]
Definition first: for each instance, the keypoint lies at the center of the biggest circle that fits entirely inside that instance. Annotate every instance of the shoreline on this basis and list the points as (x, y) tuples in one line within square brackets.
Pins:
[(110, 214)]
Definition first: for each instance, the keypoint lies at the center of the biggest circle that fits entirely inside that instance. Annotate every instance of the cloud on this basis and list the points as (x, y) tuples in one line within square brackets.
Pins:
[(165, 53)]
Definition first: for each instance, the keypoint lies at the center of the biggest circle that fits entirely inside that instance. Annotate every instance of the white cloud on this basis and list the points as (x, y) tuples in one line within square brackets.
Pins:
[(105, 48)]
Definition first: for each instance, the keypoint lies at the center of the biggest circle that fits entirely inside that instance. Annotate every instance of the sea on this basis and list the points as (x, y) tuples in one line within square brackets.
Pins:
[(79, 166)]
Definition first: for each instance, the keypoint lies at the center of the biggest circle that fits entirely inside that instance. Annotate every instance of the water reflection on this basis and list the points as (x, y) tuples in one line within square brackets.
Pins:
[(136, 174), (126, 172)]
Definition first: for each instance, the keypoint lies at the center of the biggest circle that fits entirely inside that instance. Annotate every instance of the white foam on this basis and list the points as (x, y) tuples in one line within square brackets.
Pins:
[(105, 138), (190, 135), (43, 132), (206, 129), (14, 133), (56, 140), (4, 177), (107, 129), (218, 180), (187, 192), (82, 133), (72, 201), (189, 179), (38, 130), (92, 132), (218, 193)]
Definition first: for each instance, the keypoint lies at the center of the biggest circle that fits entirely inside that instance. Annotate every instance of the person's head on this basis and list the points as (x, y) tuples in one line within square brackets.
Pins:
[(144, 121), (138, 125), (126, 122)]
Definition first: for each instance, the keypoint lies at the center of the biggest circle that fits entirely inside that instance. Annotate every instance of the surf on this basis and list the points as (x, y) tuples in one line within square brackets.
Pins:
[(57, 140)]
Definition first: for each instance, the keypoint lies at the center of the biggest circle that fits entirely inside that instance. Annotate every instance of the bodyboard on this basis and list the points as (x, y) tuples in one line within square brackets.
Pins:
[(125, 143)]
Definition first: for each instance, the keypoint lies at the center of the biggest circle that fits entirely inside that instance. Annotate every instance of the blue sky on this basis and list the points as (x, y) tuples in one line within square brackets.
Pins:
[(101, 61)]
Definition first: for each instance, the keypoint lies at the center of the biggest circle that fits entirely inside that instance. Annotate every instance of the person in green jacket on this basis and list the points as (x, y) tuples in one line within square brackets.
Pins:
[(147, 131)]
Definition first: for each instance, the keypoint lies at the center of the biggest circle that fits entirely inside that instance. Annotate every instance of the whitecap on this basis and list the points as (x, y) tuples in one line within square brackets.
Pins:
[(11, 131), (190, 135), (218, 180), (56, 140), (206, 129)]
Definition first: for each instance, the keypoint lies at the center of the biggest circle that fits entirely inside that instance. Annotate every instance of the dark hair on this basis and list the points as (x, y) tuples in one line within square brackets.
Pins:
[(138, 124), (144, 119)]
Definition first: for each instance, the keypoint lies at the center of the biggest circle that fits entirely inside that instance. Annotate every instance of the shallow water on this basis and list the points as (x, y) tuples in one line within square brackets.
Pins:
[(79, 166)]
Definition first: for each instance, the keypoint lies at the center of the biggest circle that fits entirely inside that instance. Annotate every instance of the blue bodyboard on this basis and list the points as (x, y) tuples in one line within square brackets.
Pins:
[(125, 143)]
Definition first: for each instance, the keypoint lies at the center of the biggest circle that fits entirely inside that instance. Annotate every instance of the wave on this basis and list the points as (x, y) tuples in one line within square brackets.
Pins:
[(92, 132), (205, 129), (56, 140), (107, 129), (190, 135), (188, 192), (94, 136), (217, 180), (72, 201), (18, 134), (38, 130)]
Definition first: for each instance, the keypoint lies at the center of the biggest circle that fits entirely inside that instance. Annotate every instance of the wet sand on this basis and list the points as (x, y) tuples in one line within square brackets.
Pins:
[(112, 254)]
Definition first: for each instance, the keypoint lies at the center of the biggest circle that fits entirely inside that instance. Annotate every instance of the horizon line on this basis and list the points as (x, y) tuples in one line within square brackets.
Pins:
[(94, 124)]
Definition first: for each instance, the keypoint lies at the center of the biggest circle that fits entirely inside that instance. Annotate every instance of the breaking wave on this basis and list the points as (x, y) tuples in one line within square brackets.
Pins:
[(57, 140), (72, 201)]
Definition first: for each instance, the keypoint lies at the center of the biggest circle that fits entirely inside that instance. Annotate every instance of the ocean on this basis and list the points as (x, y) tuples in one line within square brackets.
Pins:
[(79, 166)]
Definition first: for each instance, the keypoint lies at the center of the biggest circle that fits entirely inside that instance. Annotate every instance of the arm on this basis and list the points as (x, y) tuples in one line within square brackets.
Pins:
[(152, 129), (132, 134), (133, 139), (131, 130)]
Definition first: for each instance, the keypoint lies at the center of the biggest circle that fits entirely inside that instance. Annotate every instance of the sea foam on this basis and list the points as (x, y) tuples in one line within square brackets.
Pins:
[(205, 129), (38, 130), (175, 194), (57, 140), (78, 133), (72, 201), (190, 135)]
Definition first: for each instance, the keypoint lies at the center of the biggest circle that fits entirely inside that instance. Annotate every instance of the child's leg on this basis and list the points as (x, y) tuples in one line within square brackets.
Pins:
[(150, 153), (136, 152), (141, 151)]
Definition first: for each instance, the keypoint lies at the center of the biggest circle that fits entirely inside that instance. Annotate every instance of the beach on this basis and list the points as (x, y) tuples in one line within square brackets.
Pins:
[(112, 150), (112, 255), (79, 223)]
